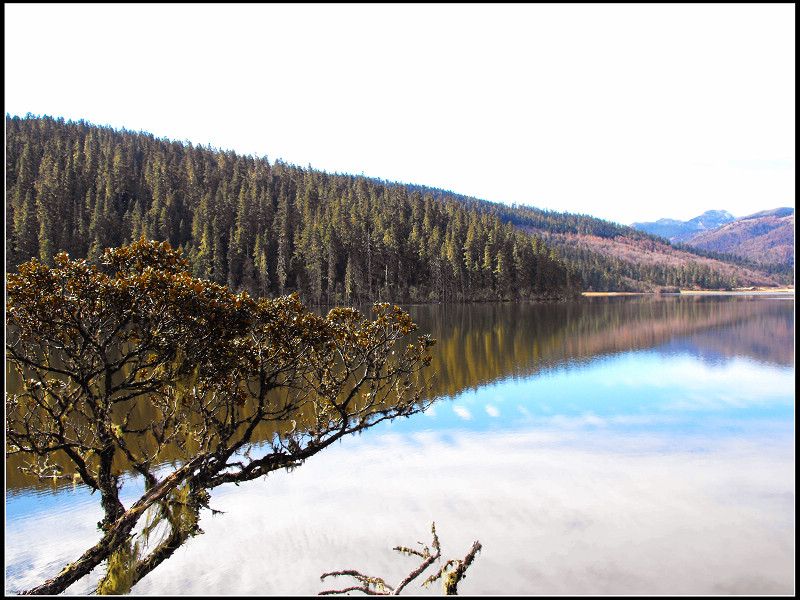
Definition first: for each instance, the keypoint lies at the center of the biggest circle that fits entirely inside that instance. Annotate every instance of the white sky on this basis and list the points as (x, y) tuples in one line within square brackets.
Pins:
[(625, 112)]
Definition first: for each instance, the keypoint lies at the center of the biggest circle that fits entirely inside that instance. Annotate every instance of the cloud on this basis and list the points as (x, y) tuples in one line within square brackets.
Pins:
[(462, 412), (619, 517), (557, 512)]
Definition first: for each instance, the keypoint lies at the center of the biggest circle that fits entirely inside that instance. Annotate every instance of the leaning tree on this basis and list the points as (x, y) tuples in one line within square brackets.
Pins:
[(135, 366)]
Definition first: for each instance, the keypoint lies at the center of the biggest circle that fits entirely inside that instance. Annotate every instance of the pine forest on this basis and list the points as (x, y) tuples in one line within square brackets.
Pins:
[(267, 229), (274, 228)]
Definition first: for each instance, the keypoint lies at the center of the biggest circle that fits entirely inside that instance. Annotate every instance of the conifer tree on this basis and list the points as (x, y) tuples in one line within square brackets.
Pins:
[(26, 229)]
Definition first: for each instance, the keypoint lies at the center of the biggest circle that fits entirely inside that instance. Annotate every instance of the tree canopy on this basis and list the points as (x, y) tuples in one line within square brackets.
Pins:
[(135, 364), (267, 229)]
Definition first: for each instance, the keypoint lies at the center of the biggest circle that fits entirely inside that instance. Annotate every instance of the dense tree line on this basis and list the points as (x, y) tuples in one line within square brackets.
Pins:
[(267, 229), (551, 221), (608, 273)]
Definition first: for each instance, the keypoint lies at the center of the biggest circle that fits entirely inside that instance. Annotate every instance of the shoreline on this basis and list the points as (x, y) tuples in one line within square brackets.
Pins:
[(740, 292)]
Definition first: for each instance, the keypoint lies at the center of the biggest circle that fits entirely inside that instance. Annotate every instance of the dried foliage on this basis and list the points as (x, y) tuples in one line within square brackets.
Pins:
[(137, 365)]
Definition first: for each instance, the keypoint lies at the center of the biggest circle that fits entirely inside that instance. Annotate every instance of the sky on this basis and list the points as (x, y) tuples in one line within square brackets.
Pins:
[(625, 112)]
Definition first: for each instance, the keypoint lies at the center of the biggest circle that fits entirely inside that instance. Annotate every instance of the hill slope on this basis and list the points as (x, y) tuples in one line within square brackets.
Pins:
[(766, 236), (628, 263), (614, 257)]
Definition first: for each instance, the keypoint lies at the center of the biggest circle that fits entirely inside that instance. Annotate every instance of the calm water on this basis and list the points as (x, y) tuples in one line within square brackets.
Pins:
[(628, 445)]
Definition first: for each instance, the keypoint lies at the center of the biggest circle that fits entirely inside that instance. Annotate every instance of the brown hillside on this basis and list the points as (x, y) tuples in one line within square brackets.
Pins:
[(768, 239), (650, 252)]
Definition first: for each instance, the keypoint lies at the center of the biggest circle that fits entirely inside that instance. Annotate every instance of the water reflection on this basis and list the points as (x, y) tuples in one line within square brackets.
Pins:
[(638, 393), (481, 344), (606, 494), (623, 446), (485, 343)]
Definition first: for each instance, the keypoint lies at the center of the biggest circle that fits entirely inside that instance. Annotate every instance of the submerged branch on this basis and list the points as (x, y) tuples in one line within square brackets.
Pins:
[(375, 586)]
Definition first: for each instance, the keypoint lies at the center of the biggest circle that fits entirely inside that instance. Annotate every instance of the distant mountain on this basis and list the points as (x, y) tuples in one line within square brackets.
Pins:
[(766, 236), (676, 230)]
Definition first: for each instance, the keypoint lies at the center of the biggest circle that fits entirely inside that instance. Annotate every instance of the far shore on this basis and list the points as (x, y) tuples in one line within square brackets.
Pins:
[(742, 291)]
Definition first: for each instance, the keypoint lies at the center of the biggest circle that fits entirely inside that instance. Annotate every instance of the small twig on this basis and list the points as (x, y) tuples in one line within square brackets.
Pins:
[(431, 558), (354, 588), (380, 585)]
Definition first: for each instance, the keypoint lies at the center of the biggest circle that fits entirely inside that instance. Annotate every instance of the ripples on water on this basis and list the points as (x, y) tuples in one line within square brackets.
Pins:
[(634, 446)]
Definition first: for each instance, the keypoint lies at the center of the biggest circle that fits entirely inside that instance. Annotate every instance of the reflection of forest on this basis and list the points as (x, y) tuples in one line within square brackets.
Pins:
[(767, 338), (479, 344), (141, 414)]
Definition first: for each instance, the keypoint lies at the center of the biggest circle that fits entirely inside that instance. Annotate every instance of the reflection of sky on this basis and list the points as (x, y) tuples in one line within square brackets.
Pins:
[(648, 472), (643, 389), (557, 512), (46, 530)]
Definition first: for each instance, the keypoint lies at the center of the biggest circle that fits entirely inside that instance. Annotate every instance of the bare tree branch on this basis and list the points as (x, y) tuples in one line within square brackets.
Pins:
[(375, 586), (137, 365)]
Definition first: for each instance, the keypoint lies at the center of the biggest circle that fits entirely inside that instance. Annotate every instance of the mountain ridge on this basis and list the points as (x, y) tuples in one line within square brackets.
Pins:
[(766, 236), (676, 230)]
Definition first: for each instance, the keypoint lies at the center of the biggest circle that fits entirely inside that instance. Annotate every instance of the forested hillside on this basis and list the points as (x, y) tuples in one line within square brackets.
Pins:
[(271, 229), (267, 229), (614, 257)]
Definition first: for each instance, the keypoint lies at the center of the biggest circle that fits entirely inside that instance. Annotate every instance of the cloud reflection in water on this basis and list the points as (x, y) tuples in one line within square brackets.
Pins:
[(603, 495)]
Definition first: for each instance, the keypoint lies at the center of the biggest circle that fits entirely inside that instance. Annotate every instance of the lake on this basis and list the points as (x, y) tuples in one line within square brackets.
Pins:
[(606, 445)]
